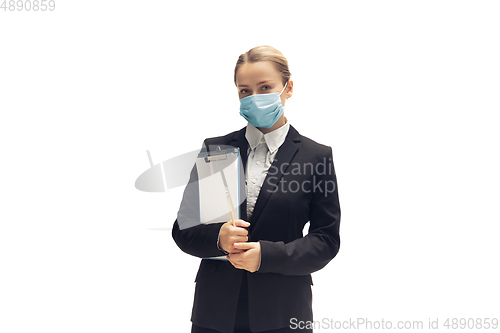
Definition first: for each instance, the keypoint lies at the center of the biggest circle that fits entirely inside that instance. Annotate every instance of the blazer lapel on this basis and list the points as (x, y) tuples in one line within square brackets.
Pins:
[(285, 154)]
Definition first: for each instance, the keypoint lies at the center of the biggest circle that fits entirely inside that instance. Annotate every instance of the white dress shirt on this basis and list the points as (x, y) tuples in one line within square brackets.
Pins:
[(261, 153)]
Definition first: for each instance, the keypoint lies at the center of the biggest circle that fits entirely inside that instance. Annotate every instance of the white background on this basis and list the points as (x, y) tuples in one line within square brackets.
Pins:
[(405, 92)]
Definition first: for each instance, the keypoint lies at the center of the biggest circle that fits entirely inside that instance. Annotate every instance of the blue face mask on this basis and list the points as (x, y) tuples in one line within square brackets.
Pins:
[(262, 110)]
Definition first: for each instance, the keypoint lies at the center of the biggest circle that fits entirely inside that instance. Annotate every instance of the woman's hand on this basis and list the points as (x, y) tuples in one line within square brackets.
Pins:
[(230, 234), (249, 259)]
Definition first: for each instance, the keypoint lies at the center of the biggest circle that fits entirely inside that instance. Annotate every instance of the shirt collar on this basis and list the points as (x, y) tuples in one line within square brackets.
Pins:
[(273, 139)]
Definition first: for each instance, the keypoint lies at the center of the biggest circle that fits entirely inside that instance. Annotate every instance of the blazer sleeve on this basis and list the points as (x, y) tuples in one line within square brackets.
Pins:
[(312, 252), (189, 234)]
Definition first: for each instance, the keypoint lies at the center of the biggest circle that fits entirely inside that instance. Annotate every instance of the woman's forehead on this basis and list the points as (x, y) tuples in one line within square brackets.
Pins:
[(255, 72)]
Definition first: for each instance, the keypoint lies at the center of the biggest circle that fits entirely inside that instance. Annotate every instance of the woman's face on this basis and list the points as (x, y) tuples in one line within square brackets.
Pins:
[(261, 77)]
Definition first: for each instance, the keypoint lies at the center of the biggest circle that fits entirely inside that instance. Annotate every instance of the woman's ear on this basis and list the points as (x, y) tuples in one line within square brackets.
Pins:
[(289, 89)]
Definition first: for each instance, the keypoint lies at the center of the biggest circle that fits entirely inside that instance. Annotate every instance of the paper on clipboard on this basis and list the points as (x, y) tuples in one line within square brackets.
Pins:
[(212, 193), (213, 168)]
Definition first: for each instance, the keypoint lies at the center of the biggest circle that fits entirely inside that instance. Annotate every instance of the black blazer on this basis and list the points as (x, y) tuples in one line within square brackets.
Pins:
[(301, 186)]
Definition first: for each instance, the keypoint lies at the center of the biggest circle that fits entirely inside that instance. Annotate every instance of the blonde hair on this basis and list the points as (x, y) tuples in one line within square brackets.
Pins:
[(265, 53)]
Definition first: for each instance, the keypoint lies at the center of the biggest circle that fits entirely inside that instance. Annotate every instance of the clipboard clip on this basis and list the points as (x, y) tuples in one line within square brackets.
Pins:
[(217, 155)]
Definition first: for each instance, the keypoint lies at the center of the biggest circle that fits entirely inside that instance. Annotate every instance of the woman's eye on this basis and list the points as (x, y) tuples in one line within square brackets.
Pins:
[(265, 87), (243, 91)]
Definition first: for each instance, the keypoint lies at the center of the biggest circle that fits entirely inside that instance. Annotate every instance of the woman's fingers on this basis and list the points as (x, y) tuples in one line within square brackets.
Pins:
[(248, 260), (230, 235), (239, 229), (241, 223), (238, 239)]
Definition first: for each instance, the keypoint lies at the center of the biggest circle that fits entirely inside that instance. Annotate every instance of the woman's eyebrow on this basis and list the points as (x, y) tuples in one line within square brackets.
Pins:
[(263, 82), (244, 85)]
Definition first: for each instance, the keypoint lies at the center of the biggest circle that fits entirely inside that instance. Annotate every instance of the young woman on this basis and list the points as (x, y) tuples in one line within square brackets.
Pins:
[(265, 285)]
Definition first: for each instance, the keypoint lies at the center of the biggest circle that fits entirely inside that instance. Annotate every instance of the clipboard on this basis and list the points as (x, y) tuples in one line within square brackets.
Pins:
[(219, 189)]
